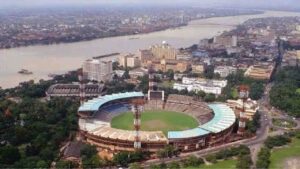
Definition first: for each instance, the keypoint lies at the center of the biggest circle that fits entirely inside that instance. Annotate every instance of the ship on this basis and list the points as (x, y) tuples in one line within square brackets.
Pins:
[(52, 75), (25, 72), (133, 38)]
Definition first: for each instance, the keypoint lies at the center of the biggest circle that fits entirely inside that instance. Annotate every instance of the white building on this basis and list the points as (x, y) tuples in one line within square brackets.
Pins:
[(220, 83), (198, 87), (250, 106), (194, 84), (129, 60), (97, 70), (224, 71)]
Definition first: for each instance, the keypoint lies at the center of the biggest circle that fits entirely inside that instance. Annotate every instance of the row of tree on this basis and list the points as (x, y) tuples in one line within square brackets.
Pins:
[(254, 124), (242, 153), (284, 93)]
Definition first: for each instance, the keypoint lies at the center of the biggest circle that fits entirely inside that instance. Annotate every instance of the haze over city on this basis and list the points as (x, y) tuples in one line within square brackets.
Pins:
[(271, 4)]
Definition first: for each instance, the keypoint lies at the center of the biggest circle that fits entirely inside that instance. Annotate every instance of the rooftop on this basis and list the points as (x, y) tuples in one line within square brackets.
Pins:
[(96, 103), (224, 117)]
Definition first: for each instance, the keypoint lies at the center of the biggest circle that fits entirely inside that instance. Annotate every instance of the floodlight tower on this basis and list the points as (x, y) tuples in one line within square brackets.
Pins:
[(243, 94), (153, 92), (137, 109), (81, 86), (152, 83)]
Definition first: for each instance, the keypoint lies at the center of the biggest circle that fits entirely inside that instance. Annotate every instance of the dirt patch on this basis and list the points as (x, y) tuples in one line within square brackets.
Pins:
[(154, 124), (292, 163)]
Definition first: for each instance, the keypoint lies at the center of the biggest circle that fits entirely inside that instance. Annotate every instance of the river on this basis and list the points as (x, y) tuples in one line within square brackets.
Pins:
[(60, 58)]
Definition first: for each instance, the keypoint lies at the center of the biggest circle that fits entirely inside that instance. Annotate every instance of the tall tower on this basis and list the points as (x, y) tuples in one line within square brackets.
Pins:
[(243, 94), (153, 92), (152, 83), (137, 109), (81, 86)]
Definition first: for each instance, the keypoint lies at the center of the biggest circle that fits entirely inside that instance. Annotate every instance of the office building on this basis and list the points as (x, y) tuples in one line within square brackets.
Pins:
[(224, 71), (206, 85), (260, 72), (129, 60), (97, 70), (164, 51)]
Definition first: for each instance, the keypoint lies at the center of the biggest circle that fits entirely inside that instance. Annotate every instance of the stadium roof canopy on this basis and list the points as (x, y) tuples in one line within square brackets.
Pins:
[(96, 103), (196, 132), (224, 118)]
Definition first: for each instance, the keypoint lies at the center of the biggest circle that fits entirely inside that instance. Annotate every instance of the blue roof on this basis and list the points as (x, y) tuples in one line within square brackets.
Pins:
[(224, 117), (196, 132), (96, 103)]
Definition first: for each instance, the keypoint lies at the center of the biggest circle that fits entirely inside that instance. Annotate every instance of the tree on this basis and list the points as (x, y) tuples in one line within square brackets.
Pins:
[(283, 94), (162, 165), (161, 154), (201, 94), (126, 75), (263, 158), (254, 124), (92, 162), (211, 158), (210, 97), (115, 65), (46, 125), (9, 155), (277, 141), (42, 164), (122, 159), (88, 151), (144, 83), (152, 166), (47, 154), (244, 162), (65, 165), (135, 166), (256, 91), (168, 151), (174, 165), (192, 161), (209, 72), (170, 74)]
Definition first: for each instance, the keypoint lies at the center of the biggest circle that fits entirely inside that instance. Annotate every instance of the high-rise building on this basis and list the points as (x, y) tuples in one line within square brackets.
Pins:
[(97, 70), (164, 51), (129, 60)]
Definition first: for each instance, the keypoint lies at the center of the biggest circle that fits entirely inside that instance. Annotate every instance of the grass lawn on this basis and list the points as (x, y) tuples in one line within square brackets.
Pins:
[(167, 84), (226, 164), (298, 91), (156, 121), (284, 123), (234, 93), (278, 156)]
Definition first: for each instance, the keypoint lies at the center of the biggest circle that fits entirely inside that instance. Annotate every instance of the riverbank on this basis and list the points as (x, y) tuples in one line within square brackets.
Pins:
[(60, 58), (169, 27)]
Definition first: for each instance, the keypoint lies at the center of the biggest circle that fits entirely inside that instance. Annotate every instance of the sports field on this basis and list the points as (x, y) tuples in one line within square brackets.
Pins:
[(156, 121), (281, 157)]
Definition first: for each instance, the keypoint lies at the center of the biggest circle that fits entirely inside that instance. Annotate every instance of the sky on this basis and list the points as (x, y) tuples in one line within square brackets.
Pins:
[(204, 3)]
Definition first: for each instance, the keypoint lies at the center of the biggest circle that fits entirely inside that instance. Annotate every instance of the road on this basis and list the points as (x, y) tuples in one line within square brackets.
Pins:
[(254, 144)]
